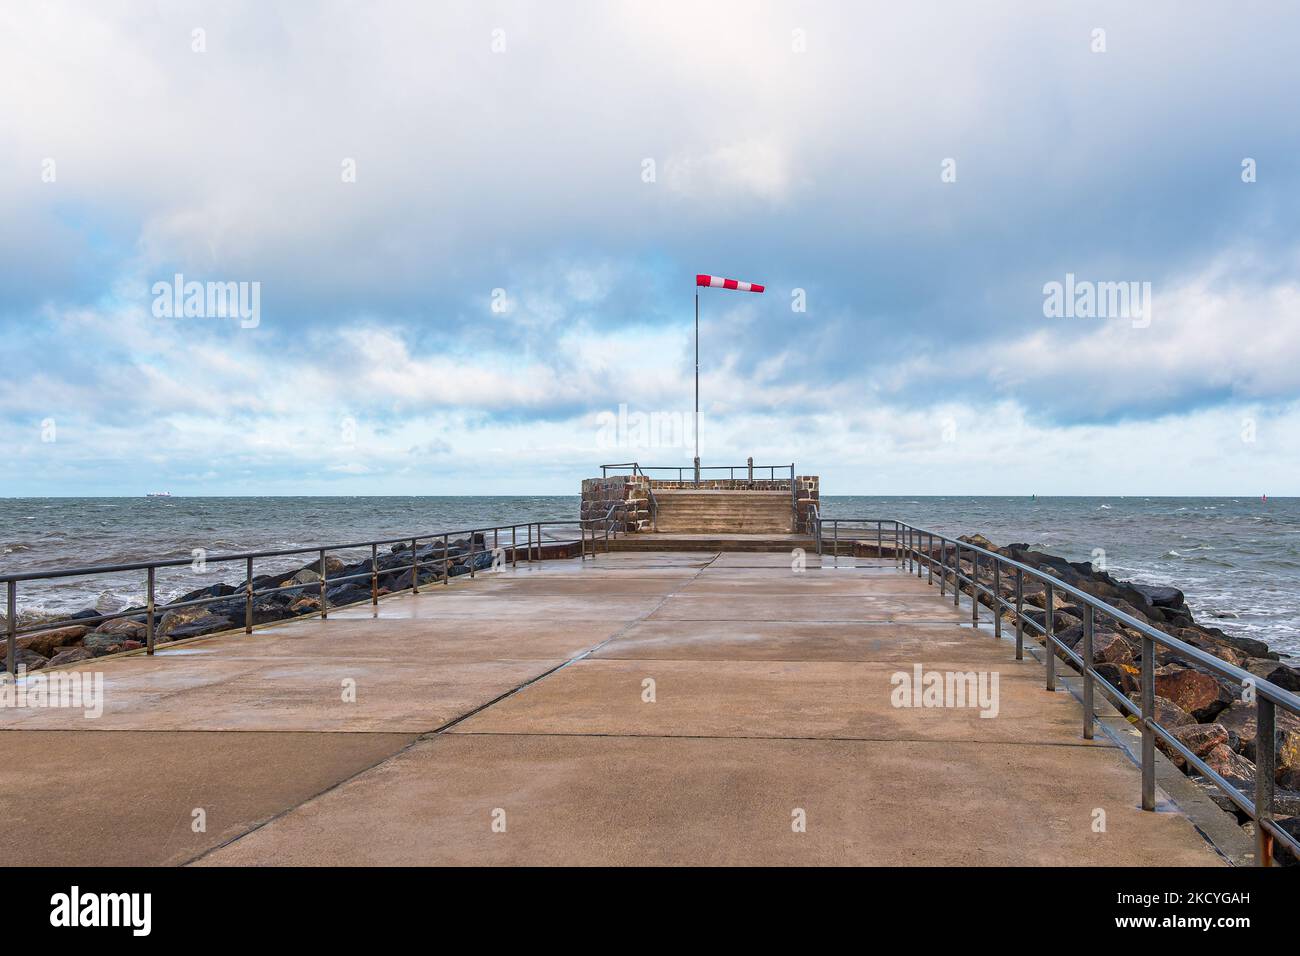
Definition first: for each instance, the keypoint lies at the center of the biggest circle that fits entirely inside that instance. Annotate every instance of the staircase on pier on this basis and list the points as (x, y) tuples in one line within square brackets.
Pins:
[(697, 511)]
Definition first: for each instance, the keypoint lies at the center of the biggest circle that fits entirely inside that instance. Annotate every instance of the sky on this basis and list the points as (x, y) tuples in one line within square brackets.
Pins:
[(471, 231)]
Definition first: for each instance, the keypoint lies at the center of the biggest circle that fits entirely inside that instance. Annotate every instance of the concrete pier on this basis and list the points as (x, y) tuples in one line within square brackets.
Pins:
[(683, 707)]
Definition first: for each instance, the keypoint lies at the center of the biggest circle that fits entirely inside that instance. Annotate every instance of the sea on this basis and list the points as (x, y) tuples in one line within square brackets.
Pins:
[(1236, 559)]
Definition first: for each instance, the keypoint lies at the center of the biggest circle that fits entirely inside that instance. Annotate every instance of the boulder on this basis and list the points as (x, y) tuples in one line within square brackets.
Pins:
[(1288, 759), (47, 643), (1234, 768), (70, 655), (214, 590), (123, 628), (305, 605), (1159, 596), (1194, 691), (1109, 648), (1167, 713), (100, 644), (1123, 677), (306, 575), (1200, 739), (333, 566), (1284, 676), (205, 624), (347, 594), (23, 658), (181, 617)]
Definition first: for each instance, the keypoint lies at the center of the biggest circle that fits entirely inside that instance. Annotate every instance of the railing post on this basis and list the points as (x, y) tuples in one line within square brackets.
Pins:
[(943, 568), (1089, 635), (997, 598), (956, 574), (471, 554), (415, 564), (148, 614), (880, 542), (248, 599), (1020, 615), (1148, 715), (374, 575), (929, 557), (446, 556), (324, 612), (974, 588), (11, 626), (835, 546), (514, 546), (1048, 631), (1265, 772)]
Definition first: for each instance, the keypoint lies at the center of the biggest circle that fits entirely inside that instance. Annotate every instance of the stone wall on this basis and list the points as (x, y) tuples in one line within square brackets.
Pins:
[(806, 495), (721, 484), (599, 494)]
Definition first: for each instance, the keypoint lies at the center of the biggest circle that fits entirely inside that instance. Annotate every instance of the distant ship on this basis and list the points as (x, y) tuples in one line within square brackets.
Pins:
[(159, 494)]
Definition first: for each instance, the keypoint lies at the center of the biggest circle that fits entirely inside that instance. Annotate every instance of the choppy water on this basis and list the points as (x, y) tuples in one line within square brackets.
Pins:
[(1237, 559)]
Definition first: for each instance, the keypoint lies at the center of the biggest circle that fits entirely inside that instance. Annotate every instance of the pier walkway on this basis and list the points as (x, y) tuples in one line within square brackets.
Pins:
[(644, 708)]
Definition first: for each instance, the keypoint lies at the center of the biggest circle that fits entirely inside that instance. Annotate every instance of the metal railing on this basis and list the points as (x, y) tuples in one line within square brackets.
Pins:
[(686, 473), (914, 549), (465, 549)]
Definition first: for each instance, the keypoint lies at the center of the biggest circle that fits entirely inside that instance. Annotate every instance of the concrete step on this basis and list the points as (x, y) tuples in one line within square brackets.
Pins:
[(749, 543)]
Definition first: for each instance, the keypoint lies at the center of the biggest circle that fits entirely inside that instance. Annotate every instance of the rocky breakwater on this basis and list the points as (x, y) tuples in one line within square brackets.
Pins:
[(1204, 711), (67, 641)]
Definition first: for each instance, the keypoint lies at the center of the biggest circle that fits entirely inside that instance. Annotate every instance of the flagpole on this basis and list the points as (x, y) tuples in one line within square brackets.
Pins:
[(697, 384)]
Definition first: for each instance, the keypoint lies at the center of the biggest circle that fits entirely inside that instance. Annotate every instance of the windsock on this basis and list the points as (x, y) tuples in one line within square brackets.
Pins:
[(717, 282)]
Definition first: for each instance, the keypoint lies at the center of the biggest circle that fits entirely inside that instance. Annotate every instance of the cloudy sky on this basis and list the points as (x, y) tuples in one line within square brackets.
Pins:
[(474, 229)]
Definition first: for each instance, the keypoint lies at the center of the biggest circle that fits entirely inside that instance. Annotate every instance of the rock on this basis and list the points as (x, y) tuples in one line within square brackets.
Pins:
[(1200, 739), (1123, 677), (305, 605), (1234, 768), (1288, 759), (1288, 678), (1281, 852), (1110, 648), (23, 658), (1159, 596), (70, 656), (307, 575), (1167, 713), (1239, 719), (1194, 691), (347, 594), (100, 644), (46, 643), (205, 624), (333, 566), (181, 617), (1213, 645), (123, 628), (214, 590)]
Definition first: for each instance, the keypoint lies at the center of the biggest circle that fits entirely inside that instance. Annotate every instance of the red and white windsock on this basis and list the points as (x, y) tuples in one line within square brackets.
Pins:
[(717, 282)]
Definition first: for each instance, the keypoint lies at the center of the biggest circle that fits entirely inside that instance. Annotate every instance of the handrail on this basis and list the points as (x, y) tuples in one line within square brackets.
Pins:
[(683, 470), (454, 548), (914, 546), (606, 522)]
